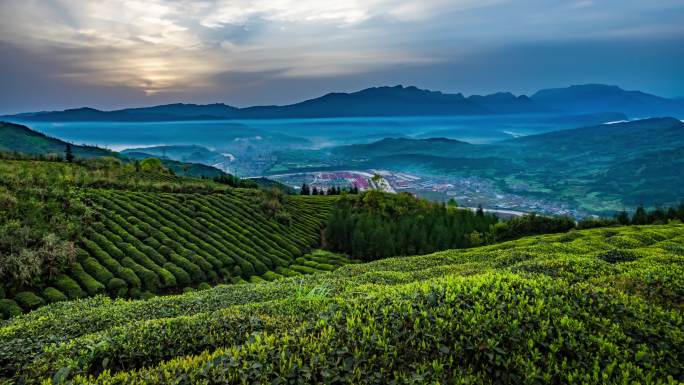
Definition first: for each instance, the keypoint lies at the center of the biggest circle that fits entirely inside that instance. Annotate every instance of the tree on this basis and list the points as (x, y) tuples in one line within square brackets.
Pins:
[(305, 189), (152, 165), (68, 155), (480, 211), (452, 203), (314, 191), (640, 217), (622, 217)]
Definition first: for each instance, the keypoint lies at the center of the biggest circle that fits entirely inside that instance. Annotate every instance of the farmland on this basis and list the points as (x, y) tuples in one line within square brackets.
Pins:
[(598, 306), (73, 232)]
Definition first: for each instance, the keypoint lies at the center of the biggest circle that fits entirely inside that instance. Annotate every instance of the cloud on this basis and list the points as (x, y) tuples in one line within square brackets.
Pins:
[(170, 46)]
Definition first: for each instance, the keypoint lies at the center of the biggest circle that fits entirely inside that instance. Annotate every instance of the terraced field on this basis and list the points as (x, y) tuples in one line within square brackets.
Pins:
[(601, 306), (143, 243)]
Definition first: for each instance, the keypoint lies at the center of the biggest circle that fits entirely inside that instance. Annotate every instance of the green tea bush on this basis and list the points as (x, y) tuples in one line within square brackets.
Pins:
[(181, 276), (117, 287), (96, 270), (203, 286), (90, 284), (53, 295), (9, 308), (69, 287), (535, 310), (28, 300)]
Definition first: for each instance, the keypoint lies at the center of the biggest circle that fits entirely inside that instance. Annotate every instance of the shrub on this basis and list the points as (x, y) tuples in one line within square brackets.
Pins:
[(302, 269), (203, 286), (96, 270), (9, 308), (53, 295), (182, 277), (135, 293), (117, 287), (28, 300), (85, 280), (271, 276), (614, 256), (69, 287), (128, 275)]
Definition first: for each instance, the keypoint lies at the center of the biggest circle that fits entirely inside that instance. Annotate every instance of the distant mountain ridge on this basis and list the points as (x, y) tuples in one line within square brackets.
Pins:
[(589, 98), (394, 101)]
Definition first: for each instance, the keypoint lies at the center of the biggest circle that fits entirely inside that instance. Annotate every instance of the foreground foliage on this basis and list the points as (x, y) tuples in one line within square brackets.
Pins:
[(596, 306)]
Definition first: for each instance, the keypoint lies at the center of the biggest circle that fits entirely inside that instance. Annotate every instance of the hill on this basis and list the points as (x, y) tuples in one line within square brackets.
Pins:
[(598, 306), (101, 227), (18, 138), (187, 153), (600, 169), (15, 138), (626, 163), (587, 98)]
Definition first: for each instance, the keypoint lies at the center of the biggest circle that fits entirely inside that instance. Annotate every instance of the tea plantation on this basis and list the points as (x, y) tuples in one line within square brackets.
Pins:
[(69, 231), (600, 306)]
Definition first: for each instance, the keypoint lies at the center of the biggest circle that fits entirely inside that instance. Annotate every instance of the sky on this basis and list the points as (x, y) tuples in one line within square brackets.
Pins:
[(108, 54)]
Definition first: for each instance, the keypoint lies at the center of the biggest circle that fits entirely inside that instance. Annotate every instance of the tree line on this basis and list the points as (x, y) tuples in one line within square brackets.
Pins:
[(334, 190), (641, 216), (376, 225)]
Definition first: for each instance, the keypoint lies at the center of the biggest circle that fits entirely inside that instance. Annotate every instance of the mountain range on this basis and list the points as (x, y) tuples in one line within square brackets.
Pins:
[(394, 101)]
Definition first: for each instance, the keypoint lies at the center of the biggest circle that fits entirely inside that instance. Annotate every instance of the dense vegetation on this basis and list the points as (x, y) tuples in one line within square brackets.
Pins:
[(71, 230), (377, 225), (600, 306)]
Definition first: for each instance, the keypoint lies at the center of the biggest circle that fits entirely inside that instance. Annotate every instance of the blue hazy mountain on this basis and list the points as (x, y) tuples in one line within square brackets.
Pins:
[(589, 98), (376, 101), (394, 101), (507, 103)]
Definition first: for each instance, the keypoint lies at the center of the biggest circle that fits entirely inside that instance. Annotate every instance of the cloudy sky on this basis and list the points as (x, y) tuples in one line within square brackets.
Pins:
[(57, 54)]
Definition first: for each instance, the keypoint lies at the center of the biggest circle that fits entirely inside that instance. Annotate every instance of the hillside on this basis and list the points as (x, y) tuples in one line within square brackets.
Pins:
[(617, 140), (622, 164), (601, 306), (18, 138), (601, 168), (186, 153), (77, 230)]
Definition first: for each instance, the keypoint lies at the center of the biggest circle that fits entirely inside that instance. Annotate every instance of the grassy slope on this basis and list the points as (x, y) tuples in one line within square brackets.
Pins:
[(597, 306), (159, 233), (21, 139), (15, 137)]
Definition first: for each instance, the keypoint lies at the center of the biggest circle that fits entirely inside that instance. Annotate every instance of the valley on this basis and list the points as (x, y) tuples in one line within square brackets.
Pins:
[(553, 158), (386, 192)]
